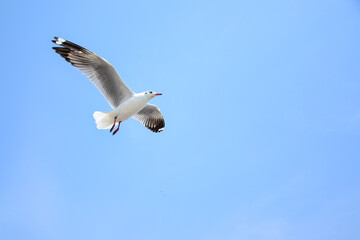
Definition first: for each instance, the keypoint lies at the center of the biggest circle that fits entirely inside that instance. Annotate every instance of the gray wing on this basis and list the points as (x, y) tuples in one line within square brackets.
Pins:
[(100, 72), (151, 117)]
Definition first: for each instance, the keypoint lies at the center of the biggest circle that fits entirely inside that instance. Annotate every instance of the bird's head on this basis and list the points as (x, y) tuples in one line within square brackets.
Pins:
[(151, 94)]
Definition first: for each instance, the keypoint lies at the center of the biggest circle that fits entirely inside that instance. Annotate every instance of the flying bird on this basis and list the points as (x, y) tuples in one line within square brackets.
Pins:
[(102, 74)]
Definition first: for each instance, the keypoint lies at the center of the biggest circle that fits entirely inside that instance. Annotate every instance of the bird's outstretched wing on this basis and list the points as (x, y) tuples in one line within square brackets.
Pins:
[(100, 72), (151, 117)]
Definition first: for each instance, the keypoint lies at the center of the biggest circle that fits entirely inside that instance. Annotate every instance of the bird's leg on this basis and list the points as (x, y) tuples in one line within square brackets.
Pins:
[(117, 129), (113, 125)]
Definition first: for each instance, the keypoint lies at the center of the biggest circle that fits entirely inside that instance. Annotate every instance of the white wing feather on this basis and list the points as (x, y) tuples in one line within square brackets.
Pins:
[(100, 72)]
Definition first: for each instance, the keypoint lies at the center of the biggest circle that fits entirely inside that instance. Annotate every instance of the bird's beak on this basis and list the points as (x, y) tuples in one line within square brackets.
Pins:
[(158, 94)]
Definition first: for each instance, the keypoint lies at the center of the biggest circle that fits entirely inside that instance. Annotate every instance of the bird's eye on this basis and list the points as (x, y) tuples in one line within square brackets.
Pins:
[(150, 92)]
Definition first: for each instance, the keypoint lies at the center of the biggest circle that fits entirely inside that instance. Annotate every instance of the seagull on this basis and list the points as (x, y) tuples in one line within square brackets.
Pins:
[(102, 74)]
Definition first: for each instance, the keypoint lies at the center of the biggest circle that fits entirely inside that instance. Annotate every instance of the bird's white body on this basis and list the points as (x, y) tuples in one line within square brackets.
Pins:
[(131, 106), (124, 111)]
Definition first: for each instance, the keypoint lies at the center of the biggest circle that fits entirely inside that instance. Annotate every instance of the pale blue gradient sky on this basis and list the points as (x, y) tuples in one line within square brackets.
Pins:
[(262, 108)]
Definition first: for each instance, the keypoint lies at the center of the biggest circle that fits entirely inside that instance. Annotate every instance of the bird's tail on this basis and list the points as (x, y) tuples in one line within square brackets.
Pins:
[(104, 120)]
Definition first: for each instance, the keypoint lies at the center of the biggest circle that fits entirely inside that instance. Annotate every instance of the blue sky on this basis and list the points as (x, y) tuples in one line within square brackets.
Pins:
[(261, 103)]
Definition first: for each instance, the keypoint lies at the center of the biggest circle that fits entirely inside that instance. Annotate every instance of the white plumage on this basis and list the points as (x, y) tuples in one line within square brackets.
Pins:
[(102, 74)]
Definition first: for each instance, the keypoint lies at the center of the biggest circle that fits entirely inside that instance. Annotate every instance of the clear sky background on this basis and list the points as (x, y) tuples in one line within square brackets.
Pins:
[(262, 108)]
